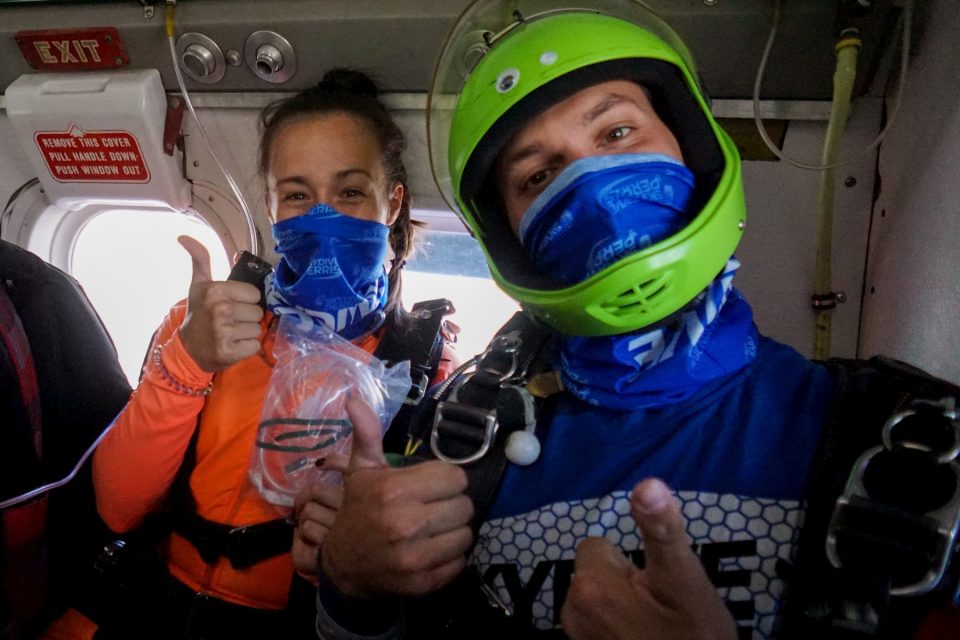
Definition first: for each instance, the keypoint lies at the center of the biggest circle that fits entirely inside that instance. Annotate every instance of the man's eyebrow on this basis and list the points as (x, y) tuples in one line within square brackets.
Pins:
[(609, 102), (605, 105), (521, 154)]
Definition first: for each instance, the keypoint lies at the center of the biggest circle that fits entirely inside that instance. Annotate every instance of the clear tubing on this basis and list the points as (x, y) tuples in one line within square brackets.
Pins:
[(39, 491), (251, 225), (843, 78), (906, 25)]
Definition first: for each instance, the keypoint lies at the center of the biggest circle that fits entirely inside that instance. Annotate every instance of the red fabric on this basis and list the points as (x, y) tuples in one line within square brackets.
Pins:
[(15, 342), (25, 573), (943, 624), (24, 523), (72, 625)]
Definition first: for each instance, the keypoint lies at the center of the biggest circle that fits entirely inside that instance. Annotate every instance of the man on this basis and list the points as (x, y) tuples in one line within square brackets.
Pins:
[(584, 158)]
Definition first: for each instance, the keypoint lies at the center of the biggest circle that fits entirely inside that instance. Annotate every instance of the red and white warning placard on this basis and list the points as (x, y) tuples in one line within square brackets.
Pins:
[(75, 155)]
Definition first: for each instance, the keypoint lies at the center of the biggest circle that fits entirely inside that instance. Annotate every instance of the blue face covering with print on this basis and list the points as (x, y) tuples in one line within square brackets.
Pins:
[(331, 271), (597, 211), (602, 208)]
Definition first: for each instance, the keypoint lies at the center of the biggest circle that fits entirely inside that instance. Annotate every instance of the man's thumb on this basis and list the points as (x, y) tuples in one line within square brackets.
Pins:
[(201, 259), (672, 569), (366, 452)]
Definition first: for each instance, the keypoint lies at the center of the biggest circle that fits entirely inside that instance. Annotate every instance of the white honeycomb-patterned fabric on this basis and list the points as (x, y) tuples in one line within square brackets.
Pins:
[(528, 558)]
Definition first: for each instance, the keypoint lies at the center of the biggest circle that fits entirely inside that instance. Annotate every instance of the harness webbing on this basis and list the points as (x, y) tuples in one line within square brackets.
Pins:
[(468, 420)]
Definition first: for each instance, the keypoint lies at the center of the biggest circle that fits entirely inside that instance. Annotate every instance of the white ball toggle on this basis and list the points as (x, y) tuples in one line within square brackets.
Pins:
[(523, 448)]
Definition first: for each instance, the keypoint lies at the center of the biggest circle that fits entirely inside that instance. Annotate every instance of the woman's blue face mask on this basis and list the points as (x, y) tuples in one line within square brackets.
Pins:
[(601, 209), (331, 271)]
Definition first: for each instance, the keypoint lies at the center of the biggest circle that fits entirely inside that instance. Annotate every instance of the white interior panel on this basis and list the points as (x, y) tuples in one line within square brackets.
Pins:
[(913, 280)]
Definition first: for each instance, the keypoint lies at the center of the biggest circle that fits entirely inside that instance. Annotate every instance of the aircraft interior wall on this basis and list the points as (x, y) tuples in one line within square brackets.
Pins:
[(912, 294)]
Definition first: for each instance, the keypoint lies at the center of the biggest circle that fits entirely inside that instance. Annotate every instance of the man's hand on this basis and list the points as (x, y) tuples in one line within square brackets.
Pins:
[(314, 510), (399, 531), (670, 599), (222, 325)]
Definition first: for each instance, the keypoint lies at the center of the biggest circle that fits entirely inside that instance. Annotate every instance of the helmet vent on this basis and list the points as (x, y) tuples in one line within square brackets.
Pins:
[(640, 299)]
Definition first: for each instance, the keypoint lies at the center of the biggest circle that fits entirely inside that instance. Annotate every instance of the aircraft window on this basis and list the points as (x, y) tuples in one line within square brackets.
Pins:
[(133, 270), (451, 265)]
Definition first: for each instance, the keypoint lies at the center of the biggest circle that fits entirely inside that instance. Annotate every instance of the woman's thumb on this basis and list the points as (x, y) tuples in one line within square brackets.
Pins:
[(200, 257)]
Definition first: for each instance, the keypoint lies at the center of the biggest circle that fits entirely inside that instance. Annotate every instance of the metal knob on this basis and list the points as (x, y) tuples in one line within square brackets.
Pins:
[(199, 60), (270, 56), (269, 59)]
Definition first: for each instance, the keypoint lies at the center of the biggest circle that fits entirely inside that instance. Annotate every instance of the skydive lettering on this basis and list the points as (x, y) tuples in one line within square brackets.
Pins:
[(523, 596)]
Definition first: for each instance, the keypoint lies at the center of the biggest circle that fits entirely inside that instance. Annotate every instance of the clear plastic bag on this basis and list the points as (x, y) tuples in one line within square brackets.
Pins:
[(304, 417)]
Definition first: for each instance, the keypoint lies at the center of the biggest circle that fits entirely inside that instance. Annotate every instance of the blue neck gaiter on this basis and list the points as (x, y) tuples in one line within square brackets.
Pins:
[(602, 208), (331, 271), (598, 211), (668, 364)]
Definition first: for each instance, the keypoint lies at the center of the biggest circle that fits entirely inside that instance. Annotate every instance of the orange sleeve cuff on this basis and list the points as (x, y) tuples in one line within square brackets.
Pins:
[(178, 364)]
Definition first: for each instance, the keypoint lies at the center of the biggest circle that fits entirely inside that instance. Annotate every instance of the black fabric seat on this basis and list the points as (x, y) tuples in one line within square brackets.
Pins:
[(82, 388)]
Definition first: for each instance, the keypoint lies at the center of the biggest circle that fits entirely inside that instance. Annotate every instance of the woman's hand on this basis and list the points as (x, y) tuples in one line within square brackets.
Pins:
[(222, 325)]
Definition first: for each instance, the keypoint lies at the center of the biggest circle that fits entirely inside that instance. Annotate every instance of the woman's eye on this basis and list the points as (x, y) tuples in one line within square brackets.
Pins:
[(295, 196), (352, 193), (618, 133)]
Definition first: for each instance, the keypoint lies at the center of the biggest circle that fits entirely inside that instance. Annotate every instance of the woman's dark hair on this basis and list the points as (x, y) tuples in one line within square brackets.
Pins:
[(354, 93)]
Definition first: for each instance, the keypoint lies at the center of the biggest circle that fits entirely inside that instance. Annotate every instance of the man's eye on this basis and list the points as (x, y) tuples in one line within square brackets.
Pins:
[(618, 133), (538, 179)]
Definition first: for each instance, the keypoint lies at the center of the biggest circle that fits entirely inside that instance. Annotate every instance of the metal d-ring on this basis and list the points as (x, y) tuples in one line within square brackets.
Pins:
[(948, 405)]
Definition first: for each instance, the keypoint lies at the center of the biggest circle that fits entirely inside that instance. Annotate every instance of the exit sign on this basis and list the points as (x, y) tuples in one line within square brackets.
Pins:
[(73, 49)]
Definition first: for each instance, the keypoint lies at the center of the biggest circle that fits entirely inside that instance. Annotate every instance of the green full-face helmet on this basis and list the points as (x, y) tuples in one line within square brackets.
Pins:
[(507, 61)]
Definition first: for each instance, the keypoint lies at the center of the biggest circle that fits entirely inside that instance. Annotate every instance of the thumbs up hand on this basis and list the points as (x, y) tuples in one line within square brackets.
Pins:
[(222, 325), (670, 599), (399, 531)]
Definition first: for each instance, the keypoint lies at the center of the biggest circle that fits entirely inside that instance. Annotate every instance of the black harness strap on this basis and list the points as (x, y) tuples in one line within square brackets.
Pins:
[(469, 419), (417, 337), (880, 532), (242, 546)]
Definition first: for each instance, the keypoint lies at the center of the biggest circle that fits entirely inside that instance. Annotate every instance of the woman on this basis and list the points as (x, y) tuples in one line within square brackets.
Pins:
[(331, 162)]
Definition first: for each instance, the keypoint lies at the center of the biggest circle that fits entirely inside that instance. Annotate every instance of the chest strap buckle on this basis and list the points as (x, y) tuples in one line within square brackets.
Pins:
[(468, 422)]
